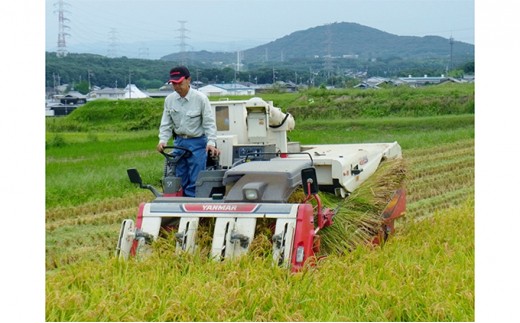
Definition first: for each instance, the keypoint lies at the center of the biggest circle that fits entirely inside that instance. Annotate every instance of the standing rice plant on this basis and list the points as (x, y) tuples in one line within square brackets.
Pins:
[(358, 219)]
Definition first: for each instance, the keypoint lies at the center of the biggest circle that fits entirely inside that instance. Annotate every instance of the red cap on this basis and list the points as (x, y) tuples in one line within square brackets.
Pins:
[(178, 74)]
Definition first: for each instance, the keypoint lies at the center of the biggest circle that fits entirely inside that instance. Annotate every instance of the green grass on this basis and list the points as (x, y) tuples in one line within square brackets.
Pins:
[(81, 170), (409, 132)]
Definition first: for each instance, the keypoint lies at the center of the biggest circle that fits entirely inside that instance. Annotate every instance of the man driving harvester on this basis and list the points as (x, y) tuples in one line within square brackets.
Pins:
[(187, 112)]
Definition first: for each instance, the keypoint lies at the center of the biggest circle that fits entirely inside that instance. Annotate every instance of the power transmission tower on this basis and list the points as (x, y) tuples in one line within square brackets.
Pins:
[(182, 44), (112, 47), (451, 54), (62, 28)]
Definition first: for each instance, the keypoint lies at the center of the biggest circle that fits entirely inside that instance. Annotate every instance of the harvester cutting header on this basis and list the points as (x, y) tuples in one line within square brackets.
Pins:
[(260, 177)]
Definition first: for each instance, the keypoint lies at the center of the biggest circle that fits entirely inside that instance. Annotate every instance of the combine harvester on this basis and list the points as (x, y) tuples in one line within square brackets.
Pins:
[(254, 180)]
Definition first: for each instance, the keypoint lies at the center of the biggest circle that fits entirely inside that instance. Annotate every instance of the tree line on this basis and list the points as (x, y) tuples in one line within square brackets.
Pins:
[(84, 71)]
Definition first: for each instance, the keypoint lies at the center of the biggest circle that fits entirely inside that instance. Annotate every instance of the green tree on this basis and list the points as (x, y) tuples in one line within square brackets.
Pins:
[(456, 73), (469, 68), (82, 87)]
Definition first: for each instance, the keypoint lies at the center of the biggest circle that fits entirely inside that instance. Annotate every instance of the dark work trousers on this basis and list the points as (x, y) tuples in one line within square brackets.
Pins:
[(189, 168)]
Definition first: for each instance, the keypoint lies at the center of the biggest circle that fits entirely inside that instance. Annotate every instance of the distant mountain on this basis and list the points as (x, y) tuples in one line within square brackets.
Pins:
[(325, 54), (343, 39), (154, 49)]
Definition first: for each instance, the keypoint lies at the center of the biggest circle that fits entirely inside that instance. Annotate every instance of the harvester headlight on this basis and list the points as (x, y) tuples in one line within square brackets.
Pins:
[(251, 194), (253, 191), (299, 254)]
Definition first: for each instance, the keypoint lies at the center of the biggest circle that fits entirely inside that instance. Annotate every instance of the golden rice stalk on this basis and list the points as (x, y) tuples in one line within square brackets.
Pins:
[(359, 215)]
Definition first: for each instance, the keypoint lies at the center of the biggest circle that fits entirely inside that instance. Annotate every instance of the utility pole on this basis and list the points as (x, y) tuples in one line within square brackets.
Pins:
[(328, 57), (56, 82), (89, 84), (129, 84), (62, 27), (451, 54), (238, 61)]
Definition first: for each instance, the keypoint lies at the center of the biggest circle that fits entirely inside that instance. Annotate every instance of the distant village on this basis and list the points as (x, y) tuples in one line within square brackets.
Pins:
[(64, 103)]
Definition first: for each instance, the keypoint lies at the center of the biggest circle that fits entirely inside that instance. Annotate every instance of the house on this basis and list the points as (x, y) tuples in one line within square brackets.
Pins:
[(165, 90), (60, 109), (286, 86), (73, 98), (377, 82), (129, 92), (226, 89), (159, 94), (108, 93), (427, 80), (366, 85), (381, 82), (64, 104)]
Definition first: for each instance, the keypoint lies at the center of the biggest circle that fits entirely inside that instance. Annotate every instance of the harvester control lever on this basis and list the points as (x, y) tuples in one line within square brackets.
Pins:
[(235, 236)]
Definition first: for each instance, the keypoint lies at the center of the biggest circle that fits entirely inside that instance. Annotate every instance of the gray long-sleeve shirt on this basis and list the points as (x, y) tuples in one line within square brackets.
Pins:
[(191, 116)]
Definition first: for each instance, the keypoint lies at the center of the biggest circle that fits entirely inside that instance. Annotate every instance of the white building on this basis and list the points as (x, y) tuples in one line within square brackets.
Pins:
[(107, 93), (226, 89)]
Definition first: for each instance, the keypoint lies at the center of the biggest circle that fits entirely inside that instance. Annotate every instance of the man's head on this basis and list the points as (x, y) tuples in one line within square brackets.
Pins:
[(179, 74), (180, 80)]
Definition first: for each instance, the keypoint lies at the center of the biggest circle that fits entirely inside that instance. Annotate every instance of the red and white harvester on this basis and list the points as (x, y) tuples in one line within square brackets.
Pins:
[(257, 171)]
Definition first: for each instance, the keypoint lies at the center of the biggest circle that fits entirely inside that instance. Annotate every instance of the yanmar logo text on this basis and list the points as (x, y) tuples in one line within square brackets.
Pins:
[(220, 208)]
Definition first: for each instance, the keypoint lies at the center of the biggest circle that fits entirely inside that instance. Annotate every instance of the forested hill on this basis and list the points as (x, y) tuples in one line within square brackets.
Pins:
[(345, 40)]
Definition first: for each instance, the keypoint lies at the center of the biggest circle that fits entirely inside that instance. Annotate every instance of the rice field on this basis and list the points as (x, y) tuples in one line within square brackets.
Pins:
[(79, 259), (425, 272)]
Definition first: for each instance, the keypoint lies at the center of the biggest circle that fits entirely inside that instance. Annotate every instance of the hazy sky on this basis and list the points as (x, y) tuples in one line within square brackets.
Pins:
[(246, 21)]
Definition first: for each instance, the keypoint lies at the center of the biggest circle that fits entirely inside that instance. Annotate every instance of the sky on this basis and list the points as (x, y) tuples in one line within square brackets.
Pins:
[(27, 30), (154, 27)]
